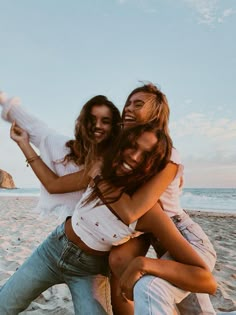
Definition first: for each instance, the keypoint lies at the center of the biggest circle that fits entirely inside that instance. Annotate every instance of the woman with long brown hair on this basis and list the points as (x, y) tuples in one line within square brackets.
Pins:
[(95, 128)]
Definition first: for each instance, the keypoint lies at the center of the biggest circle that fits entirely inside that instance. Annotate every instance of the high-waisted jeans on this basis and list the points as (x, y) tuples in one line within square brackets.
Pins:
[(155, 296), (55, 261)]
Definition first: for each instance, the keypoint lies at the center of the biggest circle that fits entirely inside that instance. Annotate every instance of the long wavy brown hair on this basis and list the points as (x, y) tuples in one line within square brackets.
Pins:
[(84, 149), (112, 186)]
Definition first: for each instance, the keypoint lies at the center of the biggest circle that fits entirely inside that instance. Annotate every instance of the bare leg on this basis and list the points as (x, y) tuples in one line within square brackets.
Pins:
[(119, 259)]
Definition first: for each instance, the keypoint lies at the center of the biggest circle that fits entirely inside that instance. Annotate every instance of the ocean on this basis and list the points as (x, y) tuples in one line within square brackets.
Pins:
[(203, 199)]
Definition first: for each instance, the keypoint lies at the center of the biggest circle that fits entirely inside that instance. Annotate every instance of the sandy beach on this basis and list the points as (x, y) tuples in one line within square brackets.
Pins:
[(22, 230)]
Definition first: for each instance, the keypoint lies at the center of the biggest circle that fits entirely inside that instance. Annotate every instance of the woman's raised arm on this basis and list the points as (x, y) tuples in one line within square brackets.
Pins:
[(131, 208), (51, 181)]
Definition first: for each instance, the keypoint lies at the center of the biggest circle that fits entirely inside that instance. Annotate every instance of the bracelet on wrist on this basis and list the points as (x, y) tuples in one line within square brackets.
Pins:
[(32, 159)]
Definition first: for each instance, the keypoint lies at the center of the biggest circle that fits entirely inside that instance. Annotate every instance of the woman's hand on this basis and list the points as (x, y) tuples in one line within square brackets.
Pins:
[(18, 134), (96, 168)]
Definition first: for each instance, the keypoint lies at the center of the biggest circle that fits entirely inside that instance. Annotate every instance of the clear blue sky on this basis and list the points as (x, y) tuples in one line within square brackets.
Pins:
[(57, 54)]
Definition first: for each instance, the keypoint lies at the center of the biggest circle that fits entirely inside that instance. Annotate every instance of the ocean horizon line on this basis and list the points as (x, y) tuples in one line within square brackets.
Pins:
[(202, 199)]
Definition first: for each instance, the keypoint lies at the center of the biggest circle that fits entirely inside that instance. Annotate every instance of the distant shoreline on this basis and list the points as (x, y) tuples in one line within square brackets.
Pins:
[(193, 213), (196, 213)]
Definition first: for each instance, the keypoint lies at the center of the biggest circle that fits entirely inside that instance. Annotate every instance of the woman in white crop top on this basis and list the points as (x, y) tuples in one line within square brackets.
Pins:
[(141, 151)]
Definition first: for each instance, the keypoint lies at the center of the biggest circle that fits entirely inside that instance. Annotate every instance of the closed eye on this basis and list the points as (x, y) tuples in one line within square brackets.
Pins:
[(138, 104)]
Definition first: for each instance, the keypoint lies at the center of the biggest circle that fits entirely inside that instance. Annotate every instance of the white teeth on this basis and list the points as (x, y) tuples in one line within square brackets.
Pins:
[(129, 118), (127, 166), (98, 133)]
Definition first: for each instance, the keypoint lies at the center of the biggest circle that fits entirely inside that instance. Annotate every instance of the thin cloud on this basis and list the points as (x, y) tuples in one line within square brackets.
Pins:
[(200, 124), (209, 11), (205, 8), (218, 158), (225, 14)]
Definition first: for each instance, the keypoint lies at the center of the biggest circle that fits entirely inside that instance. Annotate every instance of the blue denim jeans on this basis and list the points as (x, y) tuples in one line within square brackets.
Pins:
[(55, 261), (153, 295)]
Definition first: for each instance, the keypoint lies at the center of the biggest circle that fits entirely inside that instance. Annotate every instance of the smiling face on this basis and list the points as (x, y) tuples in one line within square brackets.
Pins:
[(136, 109), (100, 124), (133, 155), (146, 104)]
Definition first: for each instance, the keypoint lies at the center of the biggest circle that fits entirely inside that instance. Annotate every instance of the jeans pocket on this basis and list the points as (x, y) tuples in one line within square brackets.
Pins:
[(198, 238), (194, 233)]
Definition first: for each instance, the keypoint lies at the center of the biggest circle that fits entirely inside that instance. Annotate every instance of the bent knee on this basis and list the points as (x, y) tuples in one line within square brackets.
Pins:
[(117, 261)]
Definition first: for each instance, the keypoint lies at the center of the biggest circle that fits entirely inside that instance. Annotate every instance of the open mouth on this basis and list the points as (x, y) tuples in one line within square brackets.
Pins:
[(98, 133), (127, 166), (129, 119), (124, 168)]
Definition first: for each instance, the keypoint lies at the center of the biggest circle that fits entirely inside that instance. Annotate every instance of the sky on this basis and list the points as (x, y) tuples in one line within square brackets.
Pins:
[(56, 54)]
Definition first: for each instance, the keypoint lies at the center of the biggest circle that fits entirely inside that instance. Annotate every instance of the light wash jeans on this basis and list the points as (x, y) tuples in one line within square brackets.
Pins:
[(55, 261), (155, 296)]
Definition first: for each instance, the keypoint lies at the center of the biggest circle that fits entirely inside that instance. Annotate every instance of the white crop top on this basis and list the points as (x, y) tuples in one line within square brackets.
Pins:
[(98, 227), (170, 198)]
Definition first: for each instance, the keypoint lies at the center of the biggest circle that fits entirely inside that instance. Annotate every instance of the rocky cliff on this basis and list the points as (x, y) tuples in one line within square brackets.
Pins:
[(6, 180)]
